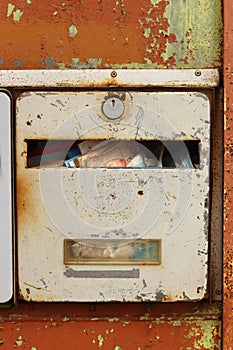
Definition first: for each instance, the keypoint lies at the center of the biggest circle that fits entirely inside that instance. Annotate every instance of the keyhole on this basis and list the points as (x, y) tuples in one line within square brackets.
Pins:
[(113, 107)]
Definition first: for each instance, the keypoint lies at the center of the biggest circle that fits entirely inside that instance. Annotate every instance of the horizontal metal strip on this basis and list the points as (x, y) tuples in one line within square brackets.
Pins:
[(107, 77)]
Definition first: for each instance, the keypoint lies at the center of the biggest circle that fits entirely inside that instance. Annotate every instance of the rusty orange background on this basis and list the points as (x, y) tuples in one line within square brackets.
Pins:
[(122, 34), (112, 326), (107, 33)]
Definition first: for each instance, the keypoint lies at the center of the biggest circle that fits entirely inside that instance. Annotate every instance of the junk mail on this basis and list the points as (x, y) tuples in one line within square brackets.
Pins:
[(112, 197), (110, 154)]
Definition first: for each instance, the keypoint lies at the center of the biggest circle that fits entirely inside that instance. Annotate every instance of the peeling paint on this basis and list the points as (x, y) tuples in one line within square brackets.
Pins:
[(171, 36), (91, 63), (133, 65), (155, 26), (17, 63), (65, 319), (100, 340), (154, 2), (10, 9), (19, 341), (194, 333), (205, 336), (17, 15), (114, 319), (107, 331), (73, 31), (228, 179), (177, 323), (145, 317), (173, 39), (147, 32), (192, 46), (61, 65), (160, 33), (50, 62)]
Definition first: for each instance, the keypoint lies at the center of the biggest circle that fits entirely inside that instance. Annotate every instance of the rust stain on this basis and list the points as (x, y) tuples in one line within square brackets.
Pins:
[(155, 26), (25, 196), (138, 34), (60, 49), (195, 333), (228, 183), (167, 326), (130, 34)]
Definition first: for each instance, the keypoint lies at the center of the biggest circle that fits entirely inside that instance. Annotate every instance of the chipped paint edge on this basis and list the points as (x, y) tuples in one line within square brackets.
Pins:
[(109, 77)]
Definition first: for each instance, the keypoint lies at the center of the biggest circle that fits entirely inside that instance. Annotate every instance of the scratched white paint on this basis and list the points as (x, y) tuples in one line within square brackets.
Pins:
[(56, 203), (103, 77)]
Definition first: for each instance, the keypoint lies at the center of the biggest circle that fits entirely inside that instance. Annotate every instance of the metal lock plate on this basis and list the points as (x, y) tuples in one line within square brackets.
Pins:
[(134, 234), (113, 107)]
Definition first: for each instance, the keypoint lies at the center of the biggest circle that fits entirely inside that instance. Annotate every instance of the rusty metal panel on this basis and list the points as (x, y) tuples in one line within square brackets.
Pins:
[(228, 181), (111, 34), (216, 224), (116, 334), (6, 237), (111, 326), (170, 205)]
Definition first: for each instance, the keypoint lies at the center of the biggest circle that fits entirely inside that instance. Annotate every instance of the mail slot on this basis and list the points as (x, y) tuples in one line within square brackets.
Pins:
[(112, 186)]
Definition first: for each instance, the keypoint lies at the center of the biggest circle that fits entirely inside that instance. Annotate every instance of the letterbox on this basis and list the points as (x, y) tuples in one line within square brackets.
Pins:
[(112, 184)]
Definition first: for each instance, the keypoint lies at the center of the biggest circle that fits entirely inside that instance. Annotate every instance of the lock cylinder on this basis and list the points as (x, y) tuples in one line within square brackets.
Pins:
[(113, 107)]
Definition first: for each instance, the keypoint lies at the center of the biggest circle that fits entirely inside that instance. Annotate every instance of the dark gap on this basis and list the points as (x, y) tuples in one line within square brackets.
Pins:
[(169, 154)]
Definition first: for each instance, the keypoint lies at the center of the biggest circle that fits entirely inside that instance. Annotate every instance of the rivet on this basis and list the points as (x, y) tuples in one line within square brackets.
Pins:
[(218, 291), (198, 73), (113, 74)]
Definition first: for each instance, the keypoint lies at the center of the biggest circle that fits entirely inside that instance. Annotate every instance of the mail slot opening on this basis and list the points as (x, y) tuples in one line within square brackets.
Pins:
[(113, 153)]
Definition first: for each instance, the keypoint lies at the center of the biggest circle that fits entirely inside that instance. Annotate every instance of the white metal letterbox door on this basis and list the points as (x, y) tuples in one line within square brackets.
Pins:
[(112, 234), (6, 246)]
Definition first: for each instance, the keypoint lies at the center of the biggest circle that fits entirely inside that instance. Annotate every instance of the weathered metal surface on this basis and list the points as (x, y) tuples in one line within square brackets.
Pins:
[(140, 326), (110, 34), (216, 224), (6, 238), (107, 77), (99, 203), (228, 182)]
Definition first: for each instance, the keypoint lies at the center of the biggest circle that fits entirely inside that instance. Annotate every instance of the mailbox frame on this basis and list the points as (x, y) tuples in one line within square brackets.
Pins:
[(18, 81)]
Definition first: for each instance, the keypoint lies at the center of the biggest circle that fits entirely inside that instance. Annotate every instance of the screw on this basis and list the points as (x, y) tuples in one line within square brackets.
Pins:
[(218, 291), (113, 74), (198, 73)]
